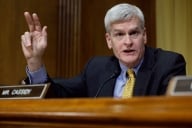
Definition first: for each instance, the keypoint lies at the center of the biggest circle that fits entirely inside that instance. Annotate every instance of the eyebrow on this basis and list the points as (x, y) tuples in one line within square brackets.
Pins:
[(132, 29)]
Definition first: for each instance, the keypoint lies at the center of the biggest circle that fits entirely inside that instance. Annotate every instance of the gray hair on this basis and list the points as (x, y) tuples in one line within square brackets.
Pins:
[(122, 12)]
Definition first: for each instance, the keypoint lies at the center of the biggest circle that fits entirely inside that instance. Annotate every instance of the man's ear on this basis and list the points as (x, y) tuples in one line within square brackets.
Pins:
[(145, 36), (108, 40)]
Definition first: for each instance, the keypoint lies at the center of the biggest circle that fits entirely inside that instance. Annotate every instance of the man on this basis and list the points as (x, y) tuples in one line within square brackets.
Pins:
[(106, 76)]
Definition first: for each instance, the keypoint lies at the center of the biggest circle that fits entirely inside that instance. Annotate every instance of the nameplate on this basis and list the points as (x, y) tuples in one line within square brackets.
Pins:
[(180, 86), (36, 91)]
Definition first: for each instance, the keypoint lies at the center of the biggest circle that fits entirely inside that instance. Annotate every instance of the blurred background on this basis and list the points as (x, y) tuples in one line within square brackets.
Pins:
[(76, 32)]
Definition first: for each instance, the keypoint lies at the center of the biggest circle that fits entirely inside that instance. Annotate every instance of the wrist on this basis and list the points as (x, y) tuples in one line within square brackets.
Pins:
[(34, 64)]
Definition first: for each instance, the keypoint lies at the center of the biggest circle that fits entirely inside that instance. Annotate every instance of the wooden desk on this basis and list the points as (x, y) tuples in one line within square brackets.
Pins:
[(88, 113)]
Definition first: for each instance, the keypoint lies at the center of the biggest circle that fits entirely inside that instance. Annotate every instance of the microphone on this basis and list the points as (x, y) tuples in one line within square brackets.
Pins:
[(115, 74)]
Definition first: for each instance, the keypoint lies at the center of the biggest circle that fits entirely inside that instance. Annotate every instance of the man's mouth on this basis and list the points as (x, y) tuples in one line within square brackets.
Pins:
[(128, 51)]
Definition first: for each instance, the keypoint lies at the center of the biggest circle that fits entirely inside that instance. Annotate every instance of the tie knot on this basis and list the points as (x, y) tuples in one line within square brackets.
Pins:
[(131, 73)]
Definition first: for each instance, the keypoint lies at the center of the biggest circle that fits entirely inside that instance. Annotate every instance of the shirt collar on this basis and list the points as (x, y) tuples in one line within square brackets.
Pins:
[(125, 68)]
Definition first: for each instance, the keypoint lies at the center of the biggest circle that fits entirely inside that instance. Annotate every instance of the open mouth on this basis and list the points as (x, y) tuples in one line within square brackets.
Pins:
[(129, 51)]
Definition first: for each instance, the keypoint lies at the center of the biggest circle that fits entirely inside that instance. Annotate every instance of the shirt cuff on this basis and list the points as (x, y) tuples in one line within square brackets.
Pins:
[(37, 77)]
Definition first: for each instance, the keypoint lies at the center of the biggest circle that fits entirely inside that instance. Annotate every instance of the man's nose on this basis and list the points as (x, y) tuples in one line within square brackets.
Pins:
[(127, 39)]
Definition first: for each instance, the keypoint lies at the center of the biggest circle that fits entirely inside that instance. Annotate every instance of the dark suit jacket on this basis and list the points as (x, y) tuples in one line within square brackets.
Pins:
[(157, 69)]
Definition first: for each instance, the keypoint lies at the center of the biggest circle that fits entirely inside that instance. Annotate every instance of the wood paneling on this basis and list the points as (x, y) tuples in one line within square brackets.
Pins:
[(13, 25), (146, 112), (69, 37)]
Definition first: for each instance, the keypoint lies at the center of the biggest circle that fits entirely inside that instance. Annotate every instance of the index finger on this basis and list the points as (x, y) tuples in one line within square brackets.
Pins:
[(29, 21)]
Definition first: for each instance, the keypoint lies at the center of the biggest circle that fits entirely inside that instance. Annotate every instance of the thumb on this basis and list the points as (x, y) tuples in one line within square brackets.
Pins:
[(44, 31)]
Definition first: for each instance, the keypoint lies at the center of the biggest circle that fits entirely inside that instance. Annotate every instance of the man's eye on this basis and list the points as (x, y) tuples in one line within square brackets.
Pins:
[(134, 33), (119, 34)]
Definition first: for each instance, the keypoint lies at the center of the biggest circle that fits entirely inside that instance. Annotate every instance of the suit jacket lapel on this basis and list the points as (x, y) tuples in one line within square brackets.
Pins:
[(108, 88), (144, 74), (107, 82), (142, 82)]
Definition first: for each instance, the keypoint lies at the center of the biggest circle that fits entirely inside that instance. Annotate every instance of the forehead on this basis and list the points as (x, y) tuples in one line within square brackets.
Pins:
[(129, 24)]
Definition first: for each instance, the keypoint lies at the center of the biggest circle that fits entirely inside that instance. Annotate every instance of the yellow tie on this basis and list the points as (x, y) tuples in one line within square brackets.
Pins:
[(128, 88)]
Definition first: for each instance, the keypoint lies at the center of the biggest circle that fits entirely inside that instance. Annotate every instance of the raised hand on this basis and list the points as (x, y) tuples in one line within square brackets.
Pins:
[(34, 42)]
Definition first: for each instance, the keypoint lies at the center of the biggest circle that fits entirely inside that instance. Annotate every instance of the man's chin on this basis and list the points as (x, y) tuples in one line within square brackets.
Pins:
[(129, 59), (129, 63)]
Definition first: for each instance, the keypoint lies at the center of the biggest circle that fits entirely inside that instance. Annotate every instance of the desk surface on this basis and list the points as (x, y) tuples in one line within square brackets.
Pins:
[(138, 112)]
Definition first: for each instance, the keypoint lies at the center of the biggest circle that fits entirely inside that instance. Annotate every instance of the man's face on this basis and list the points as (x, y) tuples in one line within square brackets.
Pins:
[(127, 39)]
